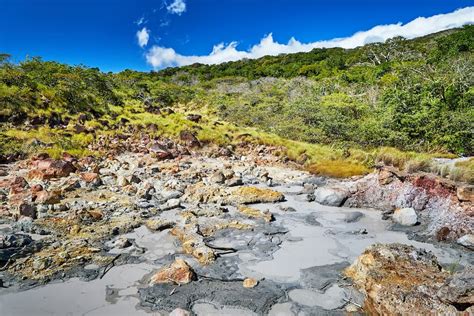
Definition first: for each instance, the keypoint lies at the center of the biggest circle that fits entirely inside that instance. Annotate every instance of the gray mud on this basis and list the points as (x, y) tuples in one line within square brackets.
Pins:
[(297, 259)]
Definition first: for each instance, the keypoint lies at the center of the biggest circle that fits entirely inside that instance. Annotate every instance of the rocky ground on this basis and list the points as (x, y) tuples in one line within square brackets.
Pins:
[(157, 227)]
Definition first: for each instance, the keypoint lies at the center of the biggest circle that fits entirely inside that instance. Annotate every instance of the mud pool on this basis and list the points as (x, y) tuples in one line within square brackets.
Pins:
[(297, 258)]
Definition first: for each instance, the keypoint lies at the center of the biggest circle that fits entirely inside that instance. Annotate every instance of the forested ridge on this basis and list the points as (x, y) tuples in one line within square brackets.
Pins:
[(413, 95)]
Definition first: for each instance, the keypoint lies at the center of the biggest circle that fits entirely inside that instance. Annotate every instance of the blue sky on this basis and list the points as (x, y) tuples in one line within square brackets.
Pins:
[(103, 33)]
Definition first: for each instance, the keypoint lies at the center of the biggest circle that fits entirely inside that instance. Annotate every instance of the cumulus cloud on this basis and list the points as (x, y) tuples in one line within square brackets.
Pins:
[(143, 36), (160, 57), (177, 7)]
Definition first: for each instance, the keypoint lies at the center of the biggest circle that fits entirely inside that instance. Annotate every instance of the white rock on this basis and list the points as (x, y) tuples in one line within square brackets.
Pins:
[(405, 216), (467, 241), (179, 312), (170, 204), (331, 196)]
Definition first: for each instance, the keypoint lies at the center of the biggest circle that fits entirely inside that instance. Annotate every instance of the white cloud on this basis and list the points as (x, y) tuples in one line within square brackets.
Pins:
[(160, 57), (177, 7), (143, 36), (140, 21)]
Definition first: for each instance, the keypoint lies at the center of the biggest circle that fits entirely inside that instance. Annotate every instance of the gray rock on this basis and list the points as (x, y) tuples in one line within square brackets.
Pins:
[(24, 224), (321, 277), (11, 244), (287, 208), (467, 241), (170, 204), (405, 216), (308, 188), (123, 243), (331, 196), (233, 182), (458, 289), (353, 217)]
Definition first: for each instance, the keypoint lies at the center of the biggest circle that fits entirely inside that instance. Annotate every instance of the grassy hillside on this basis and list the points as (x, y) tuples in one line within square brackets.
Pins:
[(336, 111)]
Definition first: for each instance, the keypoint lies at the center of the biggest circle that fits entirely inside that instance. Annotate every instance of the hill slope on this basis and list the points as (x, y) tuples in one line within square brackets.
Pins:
[(334, 104)]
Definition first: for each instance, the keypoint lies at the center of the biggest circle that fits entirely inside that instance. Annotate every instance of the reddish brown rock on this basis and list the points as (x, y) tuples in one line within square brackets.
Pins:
[(434, 185), (442, 234), (96, 215), (89, 177), (18, 185), (68, 157), (40, 156), (36, 188), (189, 139), (45, 197), (51, 168), (178, 272), (160, 152)]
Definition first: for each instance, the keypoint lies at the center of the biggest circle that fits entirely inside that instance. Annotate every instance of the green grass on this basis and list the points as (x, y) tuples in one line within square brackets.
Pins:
[(325, 160)]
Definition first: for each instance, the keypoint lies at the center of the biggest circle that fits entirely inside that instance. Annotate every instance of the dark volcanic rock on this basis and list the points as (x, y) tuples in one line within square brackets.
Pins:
[(194, 117), (10, 244), (231, 293), (320, 277)]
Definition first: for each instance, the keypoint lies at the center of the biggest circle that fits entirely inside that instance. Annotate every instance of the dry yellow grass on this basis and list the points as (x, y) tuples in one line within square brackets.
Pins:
[(337, 168)]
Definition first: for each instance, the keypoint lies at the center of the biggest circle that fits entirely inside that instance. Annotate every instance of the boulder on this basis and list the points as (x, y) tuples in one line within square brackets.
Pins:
[(399, 279), (189, 139), (90, 177), (45, 197), (233, 182), (123, 243), (465, 193), (217, 177), (467, 241), (11, 244), (18, 185), (158, 224), (179, 312), (170, 204), (160, 152), (331, 196), (405, 216), (25, 209), (249, 195), (194, 117), (193, 243), (255, 213), (458, 290), (51, 168), (179, 272)]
